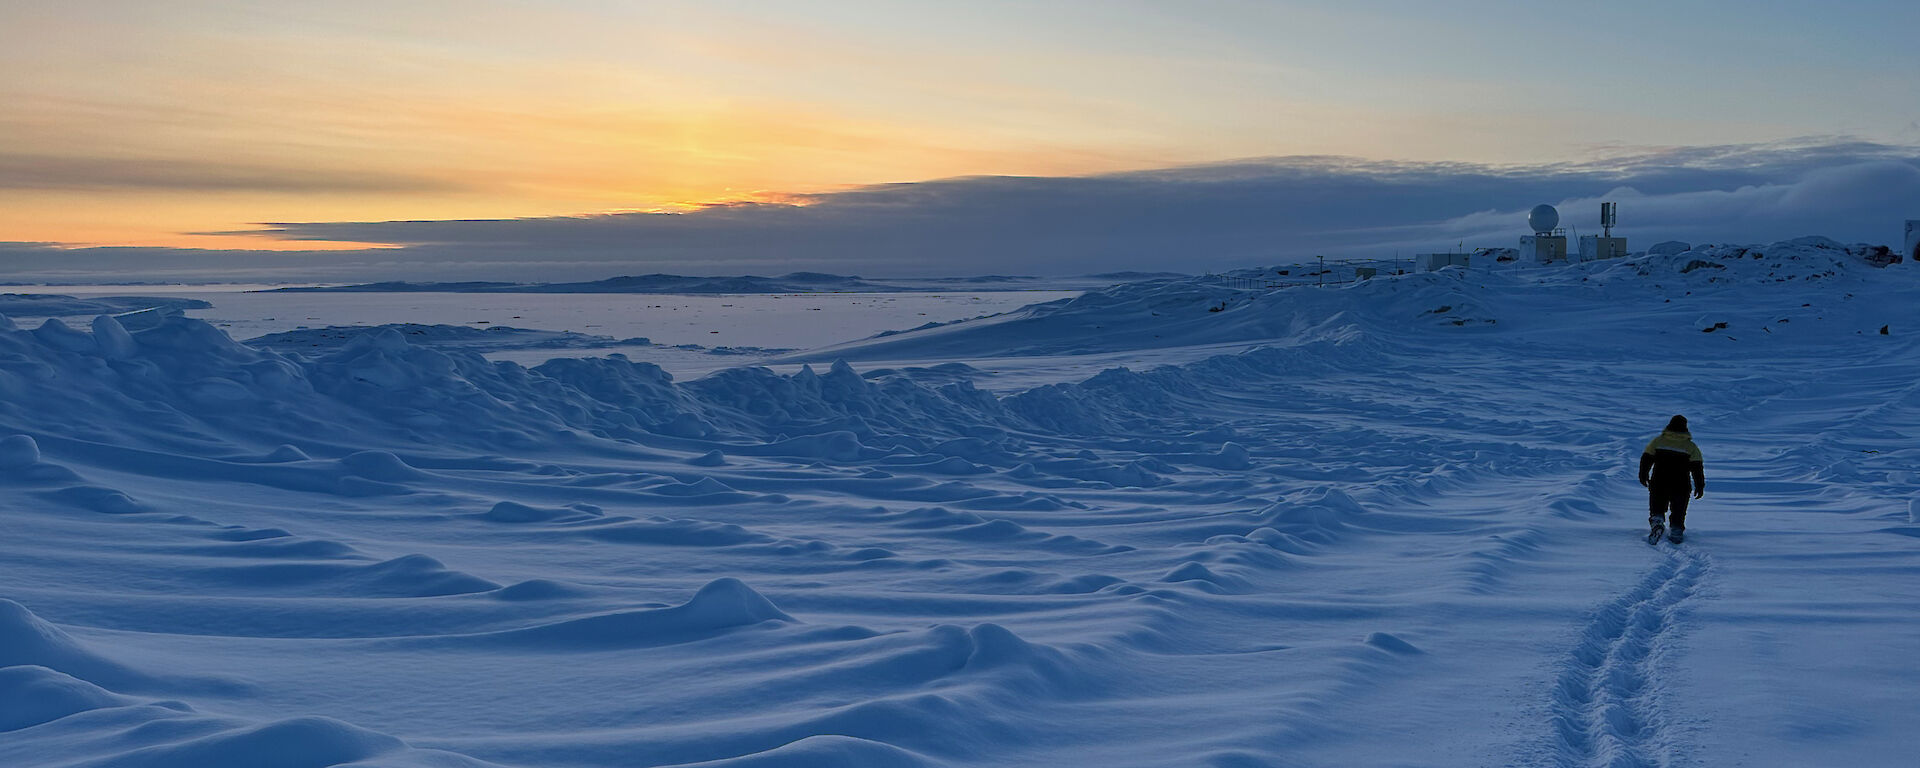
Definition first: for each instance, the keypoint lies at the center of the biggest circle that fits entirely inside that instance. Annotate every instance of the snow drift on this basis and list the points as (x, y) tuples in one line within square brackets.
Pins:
[(1370, 525)]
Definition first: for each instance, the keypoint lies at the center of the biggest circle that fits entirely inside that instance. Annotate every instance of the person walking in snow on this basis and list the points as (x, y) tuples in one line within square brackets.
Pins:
[(1668, 462)]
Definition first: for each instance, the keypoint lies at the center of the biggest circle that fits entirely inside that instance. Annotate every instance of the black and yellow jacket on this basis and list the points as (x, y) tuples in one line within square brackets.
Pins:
[(1670, 458)]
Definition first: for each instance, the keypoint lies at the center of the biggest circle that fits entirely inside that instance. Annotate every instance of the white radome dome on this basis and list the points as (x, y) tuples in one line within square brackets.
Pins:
[(1543, 218)]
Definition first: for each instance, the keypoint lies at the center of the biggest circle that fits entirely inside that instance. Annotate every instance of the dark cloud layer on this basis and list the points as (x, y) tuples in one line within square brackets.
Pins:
[(1190, 219)]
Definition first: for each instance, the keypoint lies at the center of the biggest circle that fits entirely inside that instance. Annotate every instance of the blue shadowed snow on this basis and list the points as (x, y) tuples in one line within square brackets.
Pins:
[(1163, 523)]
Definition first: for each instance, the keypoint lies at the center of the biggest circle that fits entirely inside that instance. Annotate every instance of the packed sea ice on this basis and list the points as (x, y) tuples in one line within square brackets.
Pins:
[(1386, 524)]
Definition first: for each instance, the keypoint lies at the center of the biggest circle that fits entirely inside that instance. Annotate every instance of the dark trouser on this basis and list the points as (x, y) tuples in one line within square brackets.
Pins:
[(1662, 498)]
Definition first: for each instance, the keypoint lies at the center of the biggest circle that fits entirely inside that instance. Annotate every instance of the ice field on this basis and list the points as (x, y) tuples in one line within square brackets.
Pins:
[(1166, 523)]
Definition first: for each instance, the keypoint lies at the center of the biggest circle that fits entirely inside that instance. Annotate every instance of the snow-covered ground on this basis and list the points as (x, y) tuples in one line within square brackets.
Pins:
[(1389, 524)]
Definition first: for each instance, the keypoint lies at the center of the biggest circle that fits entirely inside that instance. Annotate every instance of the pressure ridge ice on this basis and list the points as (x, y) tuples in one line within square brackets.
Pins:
[(1383, 524)]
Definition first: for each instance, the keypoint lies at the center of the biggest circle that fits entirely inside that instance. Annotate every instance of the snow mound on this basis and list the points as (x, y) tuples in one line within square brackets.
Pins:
[(539, 589), (723, 604), (18, 452), (112, 337), (380, 465), (514, 512), (32, 694), (26, 639), (400, 577), (285, 453), (106, 501), (1390, 643), (825, 751)]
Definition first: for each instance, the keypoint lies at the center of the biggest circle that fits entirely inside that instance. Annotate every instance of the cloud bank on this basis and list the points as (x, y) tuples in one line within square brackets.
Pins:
[(1198, 218)]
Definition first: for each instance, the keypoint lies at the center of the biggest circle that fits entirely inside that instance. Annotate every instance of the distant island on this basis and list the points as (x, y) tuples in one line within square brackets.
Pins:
[(794, 282)]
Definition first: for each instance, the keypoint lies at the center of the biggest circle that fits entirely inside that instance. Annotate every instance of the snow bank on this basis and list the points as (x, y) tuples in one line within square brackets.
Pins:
[(55, 305)]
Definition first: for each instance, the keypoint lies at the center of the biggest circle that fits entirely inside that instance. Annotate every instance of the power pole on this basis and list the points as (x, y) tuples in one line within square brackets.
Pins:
[(1323, 270)]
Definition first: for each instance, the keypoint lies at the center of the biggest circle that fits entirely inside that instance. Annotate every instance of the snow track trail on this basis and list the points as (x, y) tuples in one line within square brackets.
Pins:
[(1609, 705)]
